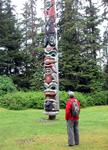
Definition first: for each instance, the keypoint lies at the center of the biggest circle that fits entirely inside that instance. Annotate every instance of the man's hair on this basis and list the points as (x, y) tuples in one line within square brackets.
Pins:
[(71, 94)]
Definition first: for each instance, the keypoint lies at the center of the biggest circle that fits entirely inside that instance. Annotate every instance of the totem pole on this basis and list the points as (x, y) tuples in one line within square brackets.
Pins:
[(51, 83)]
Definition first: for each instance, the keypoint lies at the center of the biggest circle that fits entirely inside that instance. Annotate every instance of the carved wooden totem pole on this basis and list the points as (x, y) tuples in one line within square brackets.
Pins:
[(51, 83)]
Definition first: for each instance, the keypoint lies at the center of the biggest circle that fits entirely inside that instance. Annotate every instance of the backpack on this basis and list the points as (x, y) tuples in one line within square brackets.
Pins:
[(75, 109)]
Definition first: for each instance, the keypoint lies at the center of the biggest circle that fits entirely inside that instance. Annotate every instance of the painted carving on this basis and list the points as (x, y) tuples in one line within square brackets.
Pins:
[(48, 78), (51, 58), (49, 49)]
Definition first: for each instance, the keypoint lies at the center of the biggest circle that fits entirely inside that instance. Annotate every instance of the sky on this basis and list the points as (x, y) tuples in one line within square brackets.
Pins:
[(19, 6)]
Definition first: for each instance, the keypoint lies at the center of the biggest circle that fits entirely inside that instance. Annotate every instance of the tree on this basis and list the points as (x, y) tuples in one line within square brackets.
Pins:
[(105, 51), (30, 22), (31, 77), (79, 45), (9, 39), (93, 42), (105, 2), (70, 45)]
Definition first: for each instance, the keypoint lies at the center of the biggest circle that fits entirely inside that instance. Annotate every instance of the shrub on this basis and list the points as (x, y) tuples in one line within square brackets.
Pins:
[(6, 85), (64, 96), (82, 98), (100, 98), (92, 99), (22, 100)]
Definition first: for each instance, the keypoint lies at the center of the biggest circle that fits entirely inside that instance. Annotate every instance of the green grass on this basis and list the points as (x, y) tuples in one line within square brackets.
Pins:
[(30, 130)]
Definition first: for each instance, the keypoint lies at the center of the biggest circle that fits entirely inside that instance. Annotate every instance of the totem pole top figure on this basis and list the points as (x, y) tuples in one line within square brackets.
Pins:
[(50, 8)]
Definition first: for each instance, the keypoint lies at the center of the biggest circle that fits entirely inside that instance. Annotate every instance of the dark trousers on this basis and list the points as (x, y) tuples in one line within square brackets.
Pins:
[(73, 132)]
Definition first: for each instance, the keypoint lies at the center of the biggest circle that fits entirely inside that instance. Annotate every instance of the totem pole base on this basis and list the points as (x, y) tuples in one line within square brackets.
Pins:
[(52, 117)]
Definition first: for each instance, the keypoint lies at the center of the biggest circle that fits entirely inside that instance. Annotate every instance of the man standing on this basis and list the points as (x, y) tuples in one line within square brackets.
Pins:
[(72, 116)]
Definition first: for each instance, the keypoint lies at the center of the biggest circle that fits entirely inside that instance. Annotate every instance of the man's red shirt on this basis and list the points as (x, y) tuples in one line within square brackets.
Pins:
[(68, 115)]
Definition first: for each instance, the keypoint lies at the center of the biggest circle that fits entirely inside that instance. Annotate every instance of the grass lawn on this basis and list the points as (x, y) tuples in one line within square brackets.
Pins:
[(30, 130)]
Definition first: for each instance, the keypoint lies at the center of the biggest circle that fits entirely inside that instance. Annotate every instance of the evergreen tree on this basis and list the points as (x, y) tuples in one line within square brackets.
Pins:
[(105, 51), (92, 20), (32, 76), (92, 43), (70, 45), (79, 46), (105, 2), (30, 22), (9, 39)]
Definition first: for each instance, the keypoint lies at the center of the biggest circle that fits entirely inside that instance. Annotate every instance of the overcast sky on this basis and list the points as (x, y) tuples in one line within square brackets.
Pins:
[(19, 6)]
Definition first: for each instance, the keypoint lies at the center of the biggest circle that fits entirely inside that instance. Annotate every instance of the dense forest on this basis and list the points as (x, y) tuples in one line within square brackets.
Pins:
[(83, 45)]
